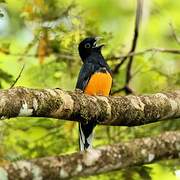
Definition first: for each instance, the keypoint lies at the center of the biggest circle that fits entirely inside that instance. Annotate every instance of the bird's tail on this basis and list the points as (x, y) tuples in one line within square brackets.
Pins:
[(86, 135)]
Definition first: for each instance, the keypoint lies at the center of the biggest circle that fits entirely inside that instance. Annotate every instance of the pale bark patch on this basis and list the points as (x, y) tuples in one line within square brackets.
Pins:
[(151, 157), (63, 173), (25, 111), (136, 102), (91, 156)]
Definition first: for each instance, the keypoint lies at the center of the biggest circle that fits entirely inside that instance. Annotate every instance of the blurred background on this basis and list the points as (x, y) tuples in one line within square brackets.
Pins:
[(43, 35)]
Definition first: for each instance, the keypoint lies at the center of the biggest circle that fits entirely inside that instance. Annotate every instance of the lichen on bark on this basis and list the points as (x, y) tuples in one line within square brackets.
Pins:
[(76, 106), (101, 160)]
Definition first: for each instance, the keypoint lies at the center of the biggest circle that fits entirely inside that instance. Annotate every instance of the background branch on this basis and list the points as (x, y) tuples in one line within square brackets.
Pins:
[(104, 159), (126, 87), (154, 50), (19, 75), (134, 42), (177, 39)]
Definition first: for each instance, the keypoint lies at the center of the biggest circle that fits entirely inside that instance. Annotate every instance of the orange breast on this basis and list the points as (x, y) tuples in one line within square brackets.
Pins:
[(99, 84)]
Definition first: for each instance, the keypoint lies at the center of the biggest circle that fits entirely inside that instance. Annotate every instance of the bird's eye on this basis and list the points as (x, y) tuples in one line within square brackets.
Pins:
[(87, 45)]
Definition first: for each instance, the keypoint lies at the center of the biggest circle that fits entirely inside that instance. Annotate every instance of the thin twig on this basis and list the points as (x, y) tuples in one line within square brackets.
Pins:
[(117, 67), (18, 76), (71, 6), (177, 39), (158, 50), (126, 89), (118, 91), (112, 58), (58, 55), (135, 39), (28, 48)]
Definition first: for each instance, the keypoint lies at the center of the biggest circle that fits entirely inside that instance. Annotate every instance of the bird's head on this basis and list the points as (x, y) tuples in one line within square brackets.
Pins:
[(89, 45)]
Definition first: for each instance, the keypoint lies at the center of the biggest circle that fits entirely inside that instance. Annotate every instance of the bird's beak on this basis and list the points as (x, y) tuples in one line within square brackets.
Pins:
[(96, 45), (98, 38)]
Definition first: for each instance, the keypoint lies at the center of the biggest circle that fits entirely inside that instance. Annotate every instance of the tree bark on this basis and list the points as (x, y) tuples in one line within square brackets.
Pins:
[(76, 106), (95, 161)]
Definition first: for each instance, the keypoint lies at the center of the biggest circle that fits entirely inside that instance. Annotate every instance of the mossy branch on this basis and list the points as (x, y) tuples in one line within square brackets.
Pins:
[(76, 106), (104, 159)]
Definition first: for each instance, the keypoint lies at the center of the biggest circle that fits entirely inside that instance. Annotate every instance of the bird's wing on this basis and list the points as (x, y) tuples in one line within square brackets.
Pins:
[(84, 75)]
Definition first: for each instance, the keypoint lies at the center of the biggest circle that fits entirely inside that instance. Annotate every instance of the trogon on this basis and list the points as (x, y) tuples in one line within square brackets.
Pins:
[(95, 78)]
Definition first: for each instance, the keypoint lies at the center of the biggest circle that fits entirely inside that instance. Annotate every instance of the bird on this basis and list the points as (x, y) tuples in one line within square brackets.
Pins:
[(95, 79)]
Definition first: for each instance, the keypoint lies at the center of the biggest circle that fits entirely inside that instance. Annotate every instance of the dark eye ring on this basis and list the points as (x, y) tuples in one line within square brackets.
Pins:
[(87, 45)]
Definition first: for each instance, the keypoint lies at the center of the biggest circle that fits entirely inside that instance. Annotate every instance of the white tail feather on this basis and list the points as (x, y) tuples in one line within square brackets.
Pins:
[(84, 142)]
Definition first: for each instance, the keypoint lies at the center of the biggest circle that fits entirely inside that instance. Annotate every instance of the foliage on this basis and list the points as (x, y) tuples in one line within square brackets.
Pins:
[(44, 35)]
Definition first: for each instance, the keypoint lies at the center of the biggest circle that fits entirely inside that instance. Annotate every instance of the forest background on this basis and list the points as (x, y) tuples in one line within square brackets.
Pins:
[(39, 40)]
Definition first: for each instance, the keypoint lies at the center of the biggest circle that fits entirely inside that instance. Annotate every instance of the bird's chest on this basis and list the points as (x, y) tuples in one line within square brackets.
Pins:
[(99, 84)]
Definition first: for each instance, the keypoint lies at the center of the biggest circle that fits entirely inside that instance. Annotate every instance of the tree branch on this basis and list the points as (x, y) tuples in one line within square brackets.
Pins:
[(176, 38), (135, 39), (19, 75), (158, 50), (134, 42), (112, 58), (95, 161), (76, 106), (126, 89)]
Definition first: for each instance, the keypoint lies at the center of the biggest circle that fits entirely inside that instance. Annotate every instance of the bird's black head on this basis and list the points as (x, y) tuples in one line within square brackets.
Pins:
[(87, 46)]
